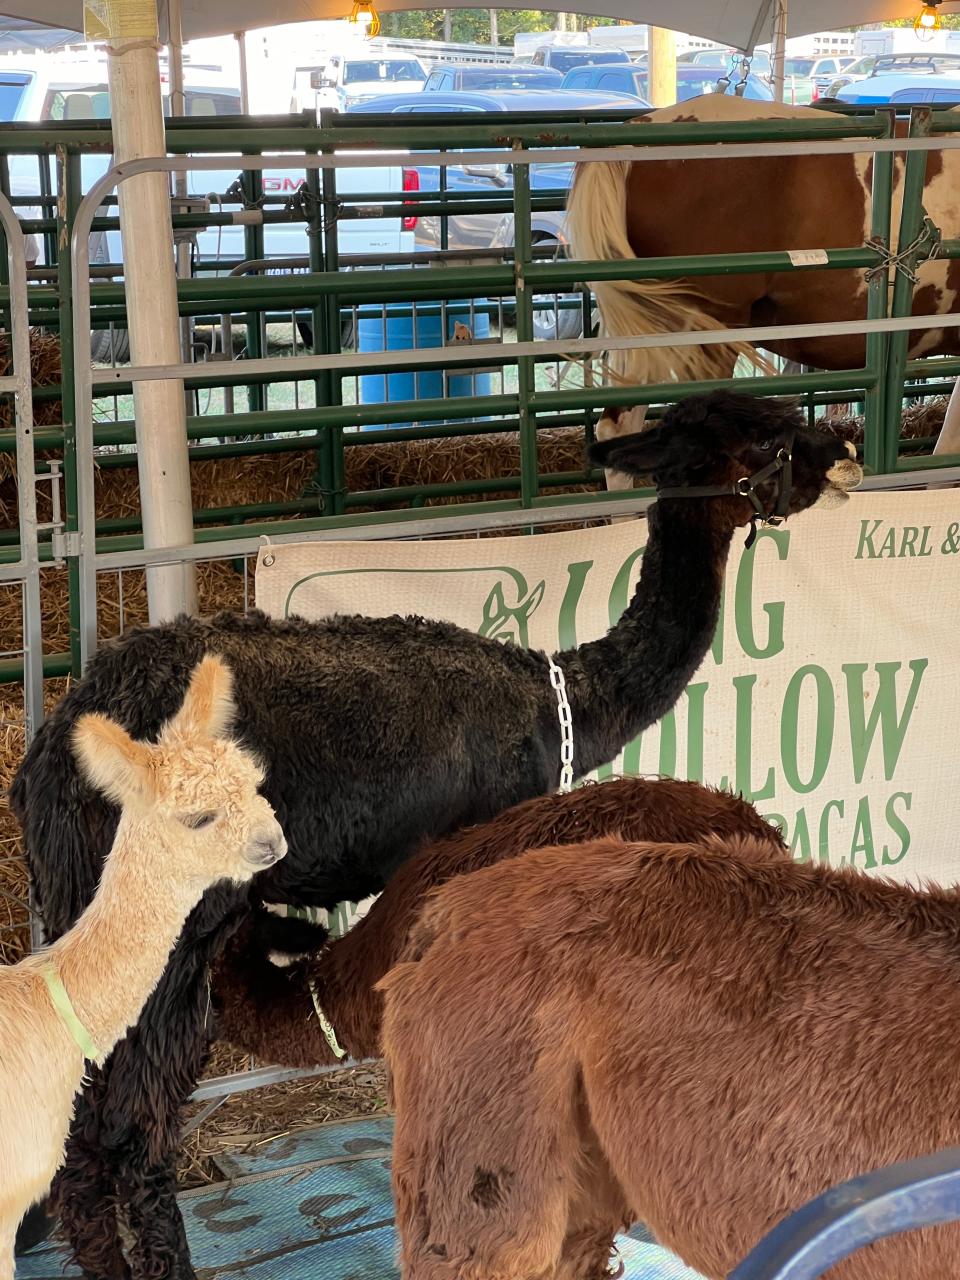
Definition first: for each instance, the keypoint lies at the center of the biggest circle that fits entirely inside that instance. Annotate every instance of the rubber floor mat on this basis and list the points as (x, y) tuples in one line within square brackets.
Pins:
[(305, 1222), (327, 1142)]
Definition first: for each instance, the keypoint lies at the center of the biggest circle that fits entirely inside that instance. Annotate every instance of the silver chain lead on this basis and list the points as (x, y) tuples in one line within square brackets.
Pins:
[(565, 716)]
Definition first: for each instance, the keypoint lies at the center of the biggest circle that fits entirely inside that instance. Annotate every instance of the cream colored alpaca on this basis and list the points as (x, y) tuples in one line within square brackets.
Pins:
[(191, 815)]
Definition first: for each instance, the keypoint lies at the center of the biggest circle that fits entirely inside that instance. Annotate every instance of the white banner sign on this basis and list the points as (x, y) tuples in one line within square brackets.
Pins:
[(831, 694)]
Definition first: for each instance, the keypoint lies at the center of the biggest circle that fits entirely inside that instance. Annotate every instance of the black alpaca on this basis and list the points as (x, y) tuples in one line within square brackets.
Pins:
[(376, 733)]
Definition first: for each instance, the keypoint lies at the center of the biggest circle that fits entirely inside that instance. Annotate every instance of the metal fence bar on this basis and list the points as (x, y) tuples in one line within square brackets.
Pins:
[(20, 382)]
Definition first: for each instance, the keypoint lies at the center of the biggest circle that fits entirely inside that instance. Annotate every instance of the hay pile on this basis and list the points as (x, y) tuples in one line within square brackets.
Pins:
[(45, 371), (282, 477), (14, 915), (921, 421)]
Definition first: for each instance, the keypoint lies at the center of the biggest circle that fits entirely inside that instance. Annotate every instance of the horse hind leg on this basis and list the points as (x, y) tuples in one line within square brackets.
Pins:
[(615, 423)]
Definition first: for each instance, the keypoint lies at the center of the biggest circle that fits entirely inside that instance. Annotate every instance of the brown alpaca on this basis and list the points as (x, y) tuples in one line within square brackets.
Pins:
[(270, 1012), (700, 1036), (191, 815)]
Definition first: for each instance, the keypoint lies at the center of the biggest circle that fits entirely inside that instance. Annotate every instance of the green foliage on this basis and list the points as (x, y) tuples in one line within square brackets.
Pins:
[(472, 26), (950, 21)]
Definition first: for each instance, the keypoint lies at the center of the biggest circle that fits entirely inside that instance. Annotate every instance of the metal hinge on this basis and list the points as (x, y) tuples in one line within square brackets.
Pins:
[(65, 545)]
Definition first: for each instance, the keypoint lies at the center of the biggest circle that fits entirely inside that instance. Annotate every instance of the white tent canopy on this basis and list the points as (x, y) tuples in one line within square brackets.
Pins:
[(742, 23)]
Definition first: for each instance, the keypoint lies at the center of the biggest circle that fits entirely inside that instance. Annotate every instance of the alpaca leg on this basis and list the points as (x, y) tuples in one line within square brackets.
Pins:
[(84, 1195), (159, 1245), (150, 1075), (484, 1161), (8, 1233), (597, 1209), (154, 1075)]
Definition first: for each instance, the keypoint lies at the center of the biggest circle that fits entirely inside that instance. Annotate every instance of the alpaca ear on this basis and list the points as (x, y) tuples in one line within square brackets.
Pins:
[(112, 761), (208, 707), (639, 454)]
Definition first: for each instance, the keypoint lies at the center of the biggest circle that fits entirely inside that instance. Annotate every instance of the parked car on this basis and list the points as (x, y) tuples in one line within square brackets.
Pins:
[(906, 89), (801, 76), (348, 80), (13, 87), (455, 76), (719, 56), (692, 82), (564, 57), (915, 67), (854, 70), (486, 230)]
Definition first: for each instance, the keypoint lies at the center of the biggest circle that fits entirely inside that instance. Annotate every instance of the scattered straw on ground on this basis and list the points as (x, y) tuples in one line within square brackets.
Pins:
[(252, 1120)]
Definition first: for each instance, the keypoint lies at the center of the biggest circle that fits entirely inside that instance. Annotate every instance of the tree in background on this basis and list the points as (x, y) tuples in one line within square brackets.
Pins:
[(472, 26), (951, 21)]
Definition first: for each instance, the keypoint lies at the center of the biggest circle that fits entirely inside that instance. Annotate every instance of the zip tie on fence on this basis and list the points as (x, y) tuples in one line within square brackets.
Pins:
[(324, 495), (930, 234), (565, 716)]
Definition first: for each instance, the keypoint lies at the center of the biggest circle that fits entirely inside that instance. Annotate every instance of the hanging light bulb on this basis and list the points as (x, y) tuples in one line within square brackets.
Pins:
[(365, 15), (928, 20)]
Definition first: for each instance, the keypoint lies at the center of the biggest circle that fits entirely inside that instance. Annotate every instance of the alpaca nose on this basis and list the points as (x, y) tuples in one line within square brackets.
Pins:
[(269, 848)]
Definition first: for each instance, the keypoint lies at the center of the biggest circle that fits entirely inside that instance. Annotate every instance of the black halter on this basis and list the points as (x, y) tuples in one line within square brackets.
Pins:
[(746, 487)]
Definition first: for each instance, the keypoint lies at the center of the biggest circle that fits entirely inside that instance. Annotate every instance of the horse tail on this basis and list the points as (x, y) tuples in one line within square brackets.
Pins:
[(597, 230)]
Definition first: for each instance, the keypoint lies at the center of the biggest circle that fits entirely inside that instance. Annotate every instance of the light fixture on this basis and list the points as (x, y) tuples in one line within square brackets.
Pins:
[(928, 20), (365, 15)]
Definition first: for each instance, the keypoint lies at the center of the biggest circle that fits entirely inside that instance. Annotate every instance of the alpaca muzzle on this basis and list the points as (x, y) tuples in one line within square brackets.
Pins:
[(267, 850)]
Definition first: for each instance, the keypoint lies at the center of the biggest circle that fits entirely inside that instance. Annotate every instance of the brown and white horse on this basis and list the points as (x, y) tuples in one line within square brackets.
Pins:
[(666, 208)]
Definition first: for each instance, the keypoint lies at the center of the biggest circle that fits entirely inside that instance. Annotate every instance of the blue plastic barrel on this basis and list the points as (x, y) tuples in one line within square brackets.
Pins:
[(383, 329)]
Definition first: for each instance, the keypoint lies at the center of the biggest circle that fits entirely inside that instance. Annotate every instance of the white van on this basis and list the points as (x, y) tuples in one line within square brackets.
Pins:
[(72, 90)]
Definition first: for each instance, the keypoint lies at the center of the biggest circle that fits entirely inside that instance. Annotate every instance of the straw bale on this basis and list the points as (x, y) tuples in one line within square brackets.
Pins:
[(45, 371), (919, 421)]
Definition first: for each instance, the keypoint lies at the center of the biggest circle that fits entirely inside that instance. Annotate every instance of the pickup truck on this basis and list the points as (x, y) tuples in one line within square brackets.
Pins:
[(492, 230), (348, 80)]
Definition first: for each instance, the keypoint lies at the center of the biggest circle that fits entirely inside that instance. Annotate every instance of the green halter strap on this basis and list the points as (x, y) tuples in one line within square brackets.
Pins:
[(63, 1006)]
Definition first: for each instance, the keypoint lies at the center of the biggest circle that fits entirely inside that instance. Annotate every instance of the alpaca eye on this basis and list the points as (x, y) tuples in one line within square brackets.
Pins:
[(197, 821)]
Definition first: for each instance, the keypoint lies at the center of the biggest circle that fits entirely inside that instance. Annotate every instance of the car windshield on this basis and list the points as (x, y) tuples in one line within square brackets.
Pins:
[(11, 91), (797, 66), (564, 59), (394, 70), (92, 102), (506, 78)]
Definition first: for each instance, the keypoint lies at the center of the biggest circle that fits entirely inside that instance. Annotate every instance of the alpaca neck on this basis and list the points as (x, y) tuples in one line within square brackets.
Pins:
[(112, 959), (621, 684)]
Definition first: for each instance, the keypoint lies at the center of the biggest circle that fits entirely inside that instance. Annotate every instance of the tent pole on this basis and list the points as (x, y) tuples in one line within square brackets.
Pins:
[(778, 47), (241, 40), (662, 61), (152, 313)]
